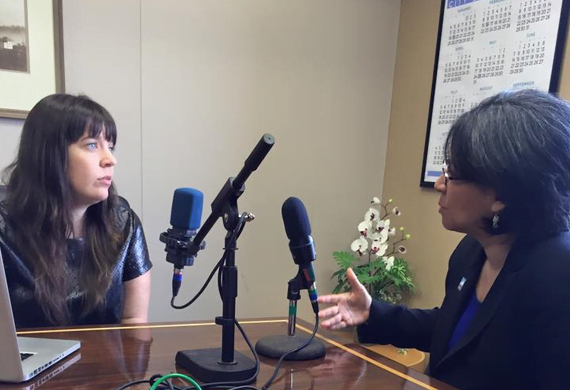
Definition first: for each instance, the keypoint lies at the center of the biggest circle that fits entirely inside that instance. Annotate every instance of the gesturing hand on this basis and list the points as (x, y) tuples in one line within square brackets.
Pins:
[(350, 308)]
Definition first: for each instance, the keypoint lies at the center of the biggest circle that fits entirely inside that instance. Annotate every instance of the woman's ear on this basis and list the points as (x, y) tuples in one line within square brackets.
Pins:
[(497, 206)]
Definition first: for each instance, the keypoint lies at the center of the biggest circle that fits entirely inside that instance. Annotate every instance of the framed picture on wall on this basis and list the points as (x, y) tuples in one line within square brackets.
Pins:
[(483, 48), (31, 54)]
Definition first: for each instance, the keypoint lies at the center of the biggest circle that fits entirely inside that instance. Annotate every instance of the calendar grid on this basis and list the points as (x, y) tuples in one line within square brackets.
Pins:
[(484, 47)]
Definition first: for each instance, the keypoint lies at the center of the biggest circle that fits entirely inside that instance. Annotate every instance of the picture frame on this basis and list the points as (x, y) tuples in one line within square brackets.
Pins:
[(483, 48), (31, 54)]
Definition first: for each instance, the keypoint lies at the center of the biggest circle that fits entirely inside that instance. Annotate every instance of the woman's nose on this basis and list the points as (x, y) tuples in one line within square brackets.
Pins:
[(108, 159), (439, 184)]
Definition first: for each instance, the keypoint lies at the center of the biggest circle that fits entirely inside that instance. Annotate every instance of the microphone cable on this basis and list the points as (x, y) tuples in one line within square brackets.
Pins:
[(162, 382), (218, 268), (272, 378), (239, 230)]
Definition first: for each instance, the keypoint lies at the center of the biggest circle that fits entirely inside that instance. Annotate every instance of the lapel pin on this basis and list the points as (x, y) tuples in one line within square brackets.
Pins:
[(460, 285)]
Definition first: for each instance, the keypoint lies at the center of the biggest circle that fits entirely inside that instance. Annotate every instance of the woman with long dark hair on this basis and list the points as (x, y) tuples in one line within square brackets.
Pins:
[(74, 252)]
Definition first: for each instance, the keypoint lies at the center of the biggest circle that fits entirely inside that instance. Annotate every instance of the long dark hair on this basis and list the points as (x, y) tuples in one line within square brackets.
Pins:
[(39, 202), (517, 143)]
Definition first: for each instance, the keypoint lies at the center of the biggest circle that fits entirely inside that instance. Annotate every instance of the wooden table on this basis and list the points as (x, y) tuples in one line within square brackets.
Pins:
[(114, 355)]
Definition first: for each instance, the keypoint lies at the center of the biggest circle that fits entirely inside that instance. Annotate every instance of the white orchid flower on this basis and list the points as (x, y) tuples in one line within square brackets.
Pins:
[(375, 200), (359, 245), (381, 236), (402, 249), (396, 211), (372, 215), (364, 227), (378, 248), (392, 231), (389, 262), (383, 224)]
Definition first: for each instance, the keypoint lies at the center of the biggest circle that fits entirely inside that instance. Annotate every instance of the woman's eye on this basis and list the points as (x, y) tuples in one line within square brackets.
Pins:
[(112, 148), (91, 146)]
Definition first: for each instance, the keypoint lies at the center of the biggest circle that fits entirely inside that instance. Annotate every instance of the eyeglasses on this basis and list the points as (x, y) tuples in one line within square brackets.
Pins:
[(447, 177)]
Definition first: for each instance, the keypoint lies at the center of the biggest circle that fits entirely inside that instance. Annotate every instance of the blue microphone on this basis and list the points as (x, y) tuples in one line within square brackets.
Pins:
[(186, 211), (301, 243), (185, 218)]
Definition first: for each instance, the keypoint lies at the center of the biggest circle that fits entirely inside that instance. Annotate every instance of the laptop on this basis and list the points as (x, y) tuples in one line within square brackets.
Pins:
[(22, 358), (41, 379)]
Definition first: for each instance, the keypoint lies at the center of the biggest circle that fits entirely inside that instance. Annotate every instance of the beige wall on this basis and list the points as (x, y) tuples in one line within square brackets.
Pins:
[(215, 76), (194, 84), (431, 245)]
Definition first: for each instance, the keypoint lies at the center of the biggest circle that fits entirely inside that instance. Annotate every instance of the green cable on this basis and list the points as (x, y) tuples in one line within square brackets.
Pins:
[(175, 375)]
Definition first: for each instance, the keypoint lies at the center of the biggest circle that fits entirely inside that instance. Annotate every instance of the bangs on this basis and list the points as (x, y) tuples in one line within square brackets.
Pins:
[(456, 156), (470, 151), (457, 150), (88, 117), (108, 128)]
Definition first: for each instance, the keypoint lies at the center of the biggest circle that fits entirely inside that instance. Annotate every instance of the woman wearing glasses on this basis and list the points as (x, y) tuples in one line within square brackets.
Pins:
[(505, 320)]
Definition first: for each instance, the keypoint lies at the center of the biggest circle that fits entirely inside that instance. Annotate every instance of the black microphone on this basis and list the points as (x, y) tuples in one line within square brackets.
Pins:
[(185, 218), (301, 243), (302, 248)]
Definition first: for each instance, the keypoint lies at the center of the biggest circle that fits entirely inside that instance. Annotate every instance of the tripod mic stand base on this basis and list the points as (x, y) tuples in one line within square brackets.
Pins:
[(206, 365), (277, 346)]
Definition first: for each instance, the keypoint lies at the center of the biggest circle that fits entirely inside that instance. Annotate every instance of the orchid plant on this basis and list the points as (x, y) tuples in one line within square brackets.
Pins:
[(376, 256)]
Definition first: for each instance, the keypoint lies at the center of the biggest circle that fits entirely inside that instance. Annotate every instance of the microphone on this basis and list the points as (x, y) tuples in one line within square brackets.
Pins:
[(206, 364), (301, 243), (302, 246), (185, 218)]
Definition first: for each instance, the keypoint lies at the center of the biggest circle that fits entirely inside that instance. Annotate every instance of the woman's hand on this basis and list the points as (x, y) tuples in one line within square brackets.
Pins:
[(350, 309)]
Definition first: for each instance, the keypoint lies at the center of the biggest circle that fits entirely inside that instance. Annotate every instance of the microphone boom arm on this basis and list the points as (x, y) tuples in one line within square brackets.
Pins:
[(232, 190), (226, 198), (206, 364)]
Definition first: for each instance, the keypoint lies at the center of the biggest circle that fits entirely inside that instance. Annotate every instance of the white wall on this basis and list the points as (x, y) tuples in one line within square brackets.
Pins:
[(103, 60), (193, 85), (9, 137)]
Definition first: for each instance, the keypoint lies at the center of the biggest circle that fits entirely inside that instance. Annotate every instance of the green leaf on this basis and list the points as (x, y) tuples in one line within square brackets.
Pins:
[(387, 285), (344, 259), (338, 273), (337, 289)]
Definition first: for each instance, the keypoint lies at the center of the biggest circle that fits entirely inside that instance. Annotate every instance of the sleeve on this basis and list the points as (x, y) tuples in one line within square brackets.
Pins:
[(398, 325), (137, 260), (548, 330)]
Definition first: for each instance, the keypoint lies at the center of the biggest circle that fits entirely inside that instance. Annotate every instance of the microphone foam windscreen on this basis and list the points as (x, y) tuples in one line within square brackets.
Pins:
[(186, 212), (295, 219)]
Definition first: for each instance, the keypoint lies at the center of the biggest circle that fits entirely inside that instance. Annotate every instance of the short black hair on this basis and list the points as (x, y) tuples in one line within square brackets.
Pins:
[(518, 143)]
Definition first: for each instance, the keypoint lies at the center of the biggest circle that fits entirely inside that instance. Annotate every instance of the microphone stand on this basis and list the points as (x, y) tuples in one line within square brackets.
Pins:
[(293, 295), (225, 364), (277, 345), (206, 364)]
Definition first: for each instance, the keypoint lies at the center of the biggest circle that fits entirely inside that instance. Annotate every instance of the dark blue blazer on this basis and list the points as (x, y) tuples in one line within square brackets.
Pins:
[(519, 338)]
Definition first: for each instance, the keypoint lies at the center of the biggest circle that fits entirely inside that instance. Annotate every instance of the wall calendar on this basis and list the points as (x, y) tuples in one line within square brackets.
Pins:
[(484, 47)]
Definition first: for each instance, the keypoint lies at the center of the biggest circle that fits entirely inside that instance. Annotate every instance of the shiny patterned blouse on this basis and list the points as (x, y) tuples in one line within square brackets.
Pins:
[(133, 261)]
